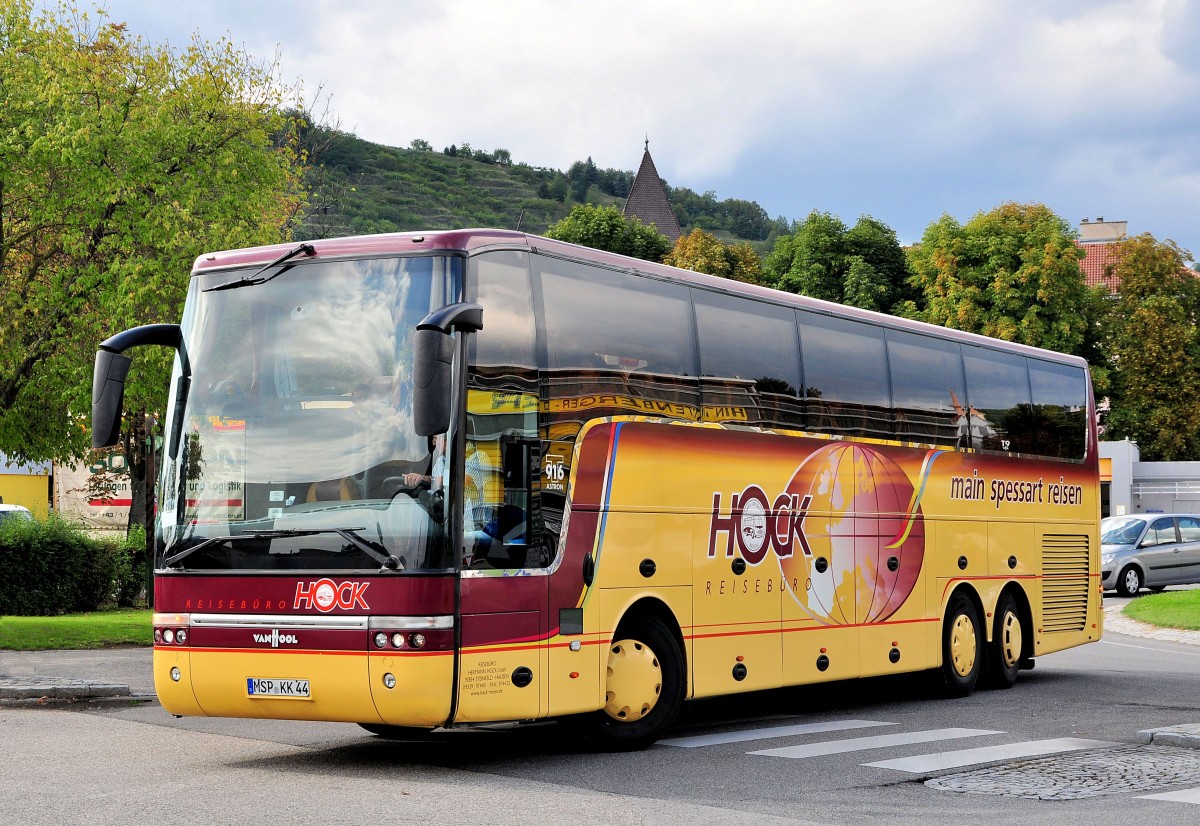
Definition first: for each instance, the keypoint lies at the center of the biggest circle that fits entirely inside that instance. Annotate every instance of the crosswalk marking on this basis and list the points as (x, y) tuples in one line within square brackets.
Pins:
[(1182, 796), (768, 733), (877, 742), (987, 754)]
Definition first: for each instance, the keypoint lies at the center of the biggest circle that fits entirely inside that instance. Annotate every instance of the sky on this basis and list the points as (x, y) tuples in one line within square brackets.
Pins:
[(903, 110)]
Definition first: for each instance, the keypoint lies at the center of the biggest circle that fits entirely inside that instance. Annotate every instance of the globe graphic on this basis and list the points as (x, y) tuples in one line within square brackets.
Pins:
[(858, 521)]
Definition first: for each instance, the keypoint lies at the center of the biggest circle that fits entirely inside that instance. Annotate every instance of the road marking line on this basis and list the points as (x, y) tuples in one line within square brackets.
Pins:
[(877, 742), (1183, 796), (967, 757), (767, 733), (1170, 651)]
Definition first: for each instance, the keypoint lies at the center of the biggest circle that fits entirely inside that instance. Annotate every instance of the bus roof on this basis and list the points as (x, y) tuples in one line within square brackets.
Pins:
[(473, 241)]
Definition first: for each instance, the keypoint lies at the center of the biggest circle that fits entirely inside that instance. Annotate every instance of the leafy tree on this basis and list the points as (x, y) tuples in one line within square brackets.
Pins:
[(701, 252), (420, 145), (502, 157), (1152, 341), (605, 228), (1011, 273), (120, 162), (862, 265)]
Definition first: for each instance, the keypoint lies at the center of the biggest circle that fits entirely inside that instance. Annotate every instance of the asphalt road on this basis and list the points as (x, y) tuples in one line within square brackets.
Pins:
[(750, 759)]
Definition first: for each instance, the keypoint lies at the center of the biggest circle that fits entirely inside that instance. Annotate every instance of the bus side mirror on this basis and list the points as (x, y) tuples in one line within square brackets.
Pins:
[(433, 358), (108, 376), (433, 362), (108, 396)]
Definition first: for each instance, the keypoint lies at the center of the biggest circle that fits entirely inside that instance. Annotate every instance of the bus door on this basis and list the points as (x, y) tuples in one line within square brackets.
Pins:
[(502, 656)]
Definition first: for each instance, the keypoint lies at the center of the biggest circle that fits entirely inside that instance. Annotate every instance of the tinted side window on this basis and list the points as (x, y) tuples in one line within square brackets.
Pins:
[(1059, 409), (616, 344), (500, 282), (998, 394), (1189, 529), (928, 389), (845, 376), (749, 360), (503, 524), (1162, 532)]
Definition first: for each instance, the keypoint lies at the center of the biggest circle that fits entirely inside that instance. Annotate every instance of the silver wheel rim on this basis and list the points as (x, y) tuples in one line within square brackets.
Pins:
[(1133, 582)]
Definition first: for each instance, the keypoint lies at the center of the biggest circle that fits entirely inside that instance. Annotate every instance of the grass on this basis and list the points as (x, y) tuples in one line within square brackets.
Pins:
[(1170, 609), (95, 629)]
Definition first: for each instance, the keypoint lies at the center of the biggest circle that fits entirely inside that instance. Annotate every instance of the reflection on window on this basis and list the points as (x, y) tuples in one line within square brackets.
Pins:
[(1059, 409), (998, 392), (929, 391), (749, 361), (846, 377)]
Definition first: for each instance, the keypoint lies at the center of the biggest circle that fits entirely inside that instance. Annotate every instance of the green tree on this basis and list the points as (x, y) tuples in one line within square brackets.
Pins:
[(120, 162), (701, 252), (605, 228), (862, 265), (1152, 341), (420, 145), (1011, 273)]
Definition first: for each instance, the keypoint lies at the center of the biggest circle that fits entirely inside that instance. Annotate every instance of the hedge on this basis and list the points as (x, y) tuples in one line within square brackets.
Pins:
[(52, 567)]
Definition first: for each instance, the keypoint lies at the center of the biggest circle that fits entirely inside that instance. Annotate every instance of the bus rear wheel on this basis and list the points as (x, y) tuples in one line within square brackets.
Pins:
[(962, 646), (1004, 653), (644, 687)]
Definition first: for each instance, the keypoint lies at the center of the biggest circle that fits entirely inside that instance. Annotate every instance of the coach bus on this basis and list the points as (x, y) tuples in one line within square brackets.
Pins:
[(415, 481)]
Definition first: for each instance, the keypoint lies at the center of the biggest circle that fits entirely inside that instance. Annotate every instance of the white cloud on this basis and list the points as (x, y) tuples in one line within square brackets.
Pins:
[(972, 99)]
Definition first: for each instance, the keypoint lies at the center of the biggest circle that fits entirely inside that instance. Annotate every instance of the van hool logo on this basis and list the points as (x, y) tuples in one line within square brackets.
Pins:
[(758, 525), (275, 639), (325, 595)]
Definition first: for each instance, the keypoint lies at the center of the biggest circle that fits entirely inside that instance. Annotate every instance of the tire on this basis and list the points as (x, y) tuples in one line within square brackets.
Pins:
[(1129, 581), (1004, 651), (644, 688), (962, 646)]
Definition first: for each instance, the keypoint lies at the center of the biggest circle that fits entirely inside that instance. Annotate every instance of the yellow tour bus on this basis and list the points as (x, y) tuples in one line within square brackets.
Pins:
[(415, 481)]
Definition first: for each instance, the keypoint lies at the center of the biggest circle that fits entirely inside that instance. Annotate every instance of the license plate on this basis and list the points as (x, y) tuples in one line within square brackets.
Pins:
[(263, 687)]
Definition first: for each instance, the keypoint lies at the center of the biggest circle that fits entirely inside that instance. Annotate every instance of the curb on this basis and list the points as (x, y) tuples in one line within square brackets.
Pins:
[(1183, 736), (56, 688)]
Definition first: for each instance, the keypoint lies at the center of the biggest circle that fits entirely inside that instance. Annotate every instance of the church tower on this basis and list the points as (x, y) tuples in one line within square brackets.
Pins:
[(648, 199)]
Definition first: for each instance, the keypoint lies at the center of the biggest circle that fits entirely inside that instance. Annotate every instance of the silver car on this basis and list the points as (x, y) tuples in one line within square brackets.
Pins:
[(1150, 550)]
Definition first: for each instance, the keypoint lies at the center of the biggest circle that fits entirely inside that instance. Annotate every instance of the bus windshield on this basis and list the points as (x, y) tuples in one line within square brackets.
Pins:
[(291, 444)]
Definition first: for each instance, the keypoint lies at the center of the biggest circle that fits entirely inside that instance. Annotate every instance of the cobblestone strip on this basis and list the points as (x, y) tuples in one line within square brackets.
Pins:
[(1081, 774)]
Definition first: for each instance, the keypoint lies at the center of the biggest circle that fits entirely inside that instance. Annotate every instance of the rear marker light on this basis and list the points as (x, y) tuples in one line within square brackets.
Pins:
[(181, 636), (168, 636), (381, 640), (158, 635), (398, 640), (416, 640)]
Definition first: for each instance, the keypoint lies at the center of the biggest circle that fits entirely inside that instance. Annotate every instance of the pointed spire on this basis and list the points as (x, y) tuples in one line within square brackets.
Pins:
[(648, 199)]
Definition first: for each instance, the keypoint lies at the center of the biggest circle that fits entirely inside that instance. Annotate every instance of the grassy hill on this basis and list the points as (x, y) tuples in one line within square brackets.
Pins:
[(361, 187)]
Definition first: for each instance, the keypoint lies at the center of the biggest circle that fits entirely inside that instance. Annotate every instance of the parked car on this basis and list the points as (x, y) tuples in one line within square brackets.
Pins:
[(14, 512), (1150, 550)]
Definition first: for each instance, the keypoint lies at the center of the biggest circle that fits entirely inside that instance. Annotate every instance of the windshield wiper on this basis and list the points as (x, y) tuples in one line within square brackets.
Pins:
[(251, 280), (374, 550)]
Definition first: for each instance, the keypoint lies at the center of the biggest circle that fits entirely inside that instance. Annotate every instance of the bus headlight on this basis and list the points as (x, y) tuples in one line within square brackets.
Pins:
[(381, 640), (389, 680)]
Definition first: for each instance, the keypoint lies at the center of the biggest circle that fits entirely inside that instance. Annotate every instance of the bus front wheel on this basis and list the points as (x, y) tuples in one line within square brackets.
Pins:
[(962, 646), (644, 687)]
